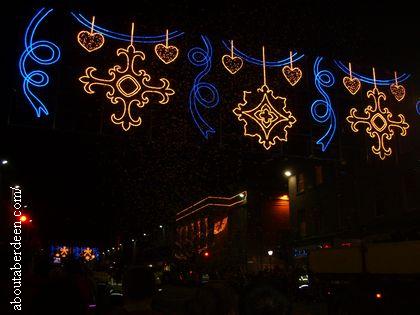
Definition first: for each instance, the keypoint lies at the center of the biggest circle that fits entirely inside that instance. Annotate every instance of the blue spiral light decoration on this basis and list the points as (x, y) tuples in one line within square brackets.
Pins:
[(403, 77), (321, 109), (259, 62), (418, 107), (200, 57), (150, 39), (51, 55)]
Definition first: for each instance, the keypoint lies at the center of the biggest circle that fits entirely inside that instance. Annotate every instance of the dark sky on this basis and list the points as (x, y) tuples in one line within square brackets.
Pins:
[(83, 177)]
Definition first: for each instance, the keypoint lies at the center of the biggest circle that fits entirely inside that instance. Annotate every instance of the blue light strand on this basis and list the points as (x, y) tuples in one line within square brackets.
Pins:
[(37, 78), (259, 62), (321, 109), (150, 39), (418, 107), (403, 77), (200, 57)]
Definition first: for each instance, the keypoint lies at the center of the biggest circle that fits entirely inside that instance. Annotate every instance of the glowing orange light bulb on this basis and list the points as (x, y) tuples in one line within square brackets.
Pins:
[(23, 218)]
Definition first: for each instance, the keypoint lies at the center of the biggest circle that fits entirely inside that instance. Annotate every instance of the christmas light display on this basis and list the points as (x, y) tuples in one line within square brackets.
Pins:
[(128, 86), (41, 52), (167, 53), (88, 254), (351, 84), (90, 41), (321, 109), (292, 74), (397, 90), (202, 93), (149, 39), (230, 62), (379, 122), (269, 119), (210, 201), (268, 64), (384, 82)]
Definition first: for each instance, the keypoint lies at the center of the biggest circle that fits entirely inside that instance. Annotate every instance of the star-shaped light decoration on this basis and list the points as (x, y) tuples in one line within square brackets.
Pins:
[(269, 119)]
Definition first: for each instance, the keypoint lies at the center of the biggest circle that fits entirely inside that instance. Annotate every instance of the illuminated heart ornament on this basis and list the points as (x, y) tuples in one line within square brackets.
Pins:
[(292, 75), (398, 91), (232, 64), (90, 41), (166, 53), (352, 84)]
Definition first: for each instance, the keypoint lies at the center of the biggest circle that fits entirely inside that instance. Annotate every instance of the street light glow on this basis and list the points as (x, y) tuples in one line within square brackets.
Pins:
[(242, 195), (144, 234), (160, 226), (17, 186), (288, 173), (4, 162), (270, 252)]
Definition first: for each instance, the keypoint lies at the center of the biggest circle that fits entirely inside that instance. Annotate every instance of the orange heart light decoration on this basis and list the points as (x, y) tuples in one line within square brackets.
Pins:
[(166, 53), (397, 90), (351, 84), (292, 74), (90, 40), (230, 62)]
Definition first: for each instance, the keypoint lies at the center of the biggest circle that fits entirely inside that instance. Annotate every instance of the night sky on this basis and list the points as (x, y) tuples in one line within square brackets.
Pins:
[(85, 179)]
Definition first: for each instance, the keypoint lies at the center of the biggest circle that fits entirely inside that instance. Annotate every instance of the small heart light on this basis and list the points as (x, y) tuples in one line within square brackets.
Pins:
[(166, 53), (292, 74), (90, 41), (351, 84), (397, 90), (232, 63)]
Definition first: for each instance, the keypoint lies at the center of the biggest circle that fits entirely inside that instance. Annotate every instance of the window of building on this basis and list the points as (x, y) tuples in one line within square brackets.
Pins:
[(319, 179), (300, 183)]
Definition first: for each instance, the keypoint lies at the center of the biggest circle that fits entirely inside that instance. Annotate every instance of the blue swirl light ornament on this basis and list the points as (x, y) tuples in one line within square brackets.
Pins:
[(51, 54), (321, 109), (202, 93), (418, 107)]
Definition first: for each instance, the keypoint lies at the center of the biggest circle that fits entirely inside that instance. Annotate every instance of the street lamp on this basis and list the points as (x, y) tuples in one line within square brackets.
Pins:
[(287, 173), (270, 253), (160, 226), (4, 162), (242, 195)]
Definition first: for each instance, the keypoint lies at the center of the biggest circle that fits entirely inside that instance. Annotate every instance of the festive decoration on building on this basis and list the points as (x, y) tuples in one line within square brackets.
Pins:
[(62, 252), (41, 52), (379, 122), (202, 93), (220, 226), (269, 119), (397, 90), (321, 109), (150, 39), (213, 201), (90, 41), (259, 62), (292, 74), (167, 53), (128, 86), (351, 84), (230, 62), (365, 79), (88, 254), (418, 107)]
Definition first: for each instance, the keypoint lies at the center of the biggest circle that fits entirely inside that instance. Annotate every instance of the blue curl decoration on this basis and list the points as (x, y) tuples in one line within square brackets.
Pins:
[(321, 109), (258, 62), (152, 39), (403, 77), (200, 57), (37, 78), (418, 107)]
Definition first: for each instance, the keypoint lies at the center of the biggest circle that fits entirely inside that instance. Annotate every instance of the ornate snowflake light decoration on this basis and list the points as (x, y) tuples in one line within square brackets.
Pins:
[(379, 123), (268, 120), (128, 86)]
